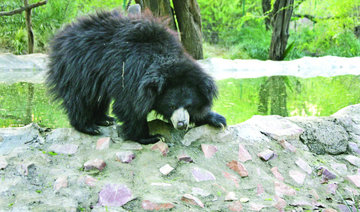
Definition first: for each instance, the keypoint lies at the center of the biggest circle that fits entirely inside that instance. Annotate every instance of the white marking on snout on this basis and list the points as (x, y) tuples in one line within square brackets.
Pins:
[(178, 115)]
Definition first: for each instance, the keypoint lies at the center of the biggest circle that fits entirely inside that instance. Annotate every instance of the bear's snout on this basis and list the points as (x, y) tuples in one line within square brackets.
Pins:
[(180, 119)]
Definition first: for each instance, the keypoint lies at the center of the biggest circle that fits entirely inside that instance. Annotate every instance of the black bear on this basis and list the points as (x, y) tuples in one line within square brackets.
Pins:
[(135, 61)]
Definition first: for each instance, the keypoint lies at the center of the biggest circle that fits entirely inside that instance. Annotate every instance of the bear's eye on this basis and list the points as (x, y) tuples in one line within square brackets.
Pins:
[(172, 107)]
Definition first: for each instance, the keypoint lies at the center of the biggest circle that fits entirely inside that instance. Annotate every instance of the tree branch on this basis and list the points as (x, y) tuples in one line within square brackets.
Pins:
[(21, 9)]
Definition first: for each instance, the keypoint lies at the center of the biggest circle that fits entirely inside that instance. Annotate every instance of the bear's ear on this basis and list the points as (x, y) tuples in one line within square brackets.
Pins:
[(207, 88), (150, 87)]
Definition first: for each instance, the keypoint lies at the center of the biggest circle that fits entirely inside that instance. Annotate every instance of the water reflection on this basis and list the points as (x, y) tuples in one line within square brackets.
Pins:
[(239, 99)]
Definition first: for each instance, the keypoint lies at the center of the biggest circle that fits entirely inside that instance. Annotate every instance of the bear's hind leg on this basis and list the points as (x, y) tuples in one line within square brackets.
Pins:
[(81, 117), (100, 113)]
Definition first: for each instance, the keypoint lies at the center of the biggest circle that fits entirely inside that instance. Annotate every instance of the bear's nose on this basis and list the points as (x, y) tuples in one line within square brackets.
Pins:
[(181, 125)]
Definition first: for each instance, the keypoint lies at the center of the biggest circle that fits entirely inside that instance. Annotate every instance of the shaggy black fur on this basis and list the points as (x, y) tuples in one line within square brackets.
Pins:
[(137, 62)]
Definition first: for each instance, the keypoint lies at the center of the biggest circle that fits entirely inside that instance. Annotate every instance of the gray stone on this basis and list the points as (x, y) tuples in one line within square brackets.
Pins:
[(323, 135)]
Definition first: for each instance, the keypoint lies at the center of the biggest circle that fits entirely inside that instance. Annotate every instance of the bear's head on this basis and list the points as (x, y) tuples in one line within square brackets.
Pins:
[(182, 104)]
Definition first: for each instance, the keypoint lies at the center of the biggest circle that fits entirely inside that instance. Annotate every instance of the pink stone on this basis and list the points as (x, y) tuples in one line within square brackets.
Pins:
[(209, 150), (162, 147), (354, 147), (355, 179), (115, 195), (266, 155), (61, 182), (303, 165), (256, 207), (331, 188), (68, 149), (277, 174), (283, 189), (259, 189), (24, 168), (297, 176), (151, 206), (353, 160), (280, 203), (166, 169), (329, 210), (236, 206), (186, 158), (244, 155), (232, 177), (103, 143), (125, 157), (94, 164), (238, 167), (287, 145), (3, 163), (202, 175), (192, 200)]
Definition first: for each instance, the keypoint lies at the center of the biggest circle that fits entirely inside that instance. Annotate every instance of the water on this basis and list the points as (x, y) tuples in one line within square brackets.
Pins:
[(239, 99)]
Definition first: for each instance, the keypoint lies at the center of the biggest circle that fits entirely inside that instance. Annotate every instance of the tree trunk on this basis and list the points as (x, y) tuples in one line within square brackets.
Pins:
[(280, 22), (266, 7), (188, 16), (29, 28), (159, 9)]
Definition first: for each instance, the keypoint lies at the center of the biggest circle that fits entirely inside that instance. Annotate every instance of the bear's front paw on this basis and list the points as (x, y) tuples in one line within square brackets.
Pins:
[(106, 121), (151, 139), (91, 130), (217, 120)]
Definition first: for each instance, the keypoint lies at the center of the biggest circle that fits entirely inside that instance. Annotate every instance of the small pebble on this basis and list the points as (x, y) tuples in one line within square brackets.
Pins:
[(266, 155), (125, 157), (230, 196), (192, 200), (165, 170), (94, 164), (103, 143)]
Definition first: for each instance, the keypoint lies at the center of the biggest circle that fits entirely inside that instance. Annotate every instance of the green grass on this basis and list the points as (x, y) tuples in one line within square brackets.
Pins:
[(238, 100)]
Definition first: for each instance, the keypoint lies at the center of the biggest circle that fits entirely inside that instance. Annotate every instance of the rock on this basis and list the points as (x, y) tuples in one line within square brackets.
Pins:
[(103, 143), (186, 158), (166, 169), (24, 169), (297, 176), (323, 135), (353, 160), (259, 189), (276, 127), (90, 181), (345, 208), (161, 184), (277, 174), (256, 207), (354, 147), (162, 147), (339, 167), (280, 204), (202, 175), (232, 178), (355, 179), (244, 200), (283, 189), (329, 210), (266, 154), (331, 188), (208, 150), (3, 163), (125, 157), (199, 192), (326, 174), (236, 206), (61, 182), (94, 164), (114, 195), (303, 165), (151, 206), (238, 167), (192, 200), (206, 133), (286, 145), (230, 196), (244, 154), (68, 149)]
